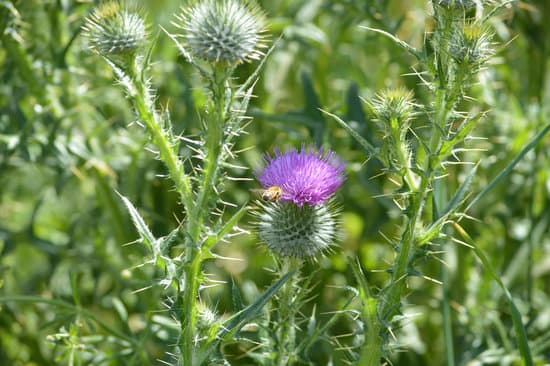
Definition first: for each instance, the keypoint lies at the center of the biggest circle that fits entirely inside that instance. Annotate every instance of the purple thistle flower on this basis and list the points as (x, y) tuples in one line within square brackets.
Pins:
[(305, 176)]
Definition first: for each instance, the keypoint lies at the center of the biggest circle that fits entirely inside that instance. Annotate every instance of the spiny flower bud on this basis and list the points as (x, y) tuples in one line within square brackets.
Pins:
[(472, 45), (393, 106), (300, 221), (207, 319), (294, 231), (464, 4), (115, 31), (229, 31), (394, 109)]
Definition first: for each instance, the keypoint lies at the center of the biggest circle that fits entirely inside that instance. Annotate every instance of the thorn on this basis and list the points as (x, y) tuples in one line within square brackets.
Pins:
[(432, 280), (141, 290), (458, 241)]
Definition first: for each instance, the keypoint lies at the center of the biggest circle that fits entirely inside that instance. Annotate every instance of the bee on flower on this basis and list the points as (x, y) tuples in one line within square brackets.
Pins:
[(299, 219)]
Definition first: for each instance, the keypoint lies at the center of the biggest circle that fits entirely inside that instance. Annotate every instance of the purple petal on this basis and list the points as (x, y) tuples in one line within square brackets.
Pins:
[(306, 176)]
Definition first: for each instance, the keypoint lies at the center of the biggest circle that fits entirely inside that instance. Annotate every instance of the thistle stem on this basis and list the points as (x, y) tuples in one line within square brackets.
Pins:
[(163, 141), (194, 253), (286, 333), (214, 141), (372, 351), (188, 317), (393, 292)]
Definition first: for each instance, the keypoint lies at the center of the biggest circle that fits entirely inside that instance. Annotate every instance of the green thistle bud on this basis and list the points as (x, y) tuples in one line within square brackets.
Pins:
[(116, 32), (297, 231), (393, 108), (206, 319), (472, 45), (229, 31), (463, 4)]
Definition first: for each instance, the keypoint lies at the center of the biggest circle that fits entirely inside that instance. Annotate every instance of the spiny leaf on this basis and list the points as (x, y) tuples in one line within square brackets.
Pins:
[(238, 320), (236, 296), (143, 231), (460, 192), (407, 47), (254, 76), (213, 239), (369, 149), (463, 131)]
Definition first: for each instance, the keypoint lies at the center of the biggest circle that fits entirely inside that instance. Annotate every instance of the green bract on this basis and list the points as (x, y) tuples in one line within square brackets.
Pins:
[(293, 231)]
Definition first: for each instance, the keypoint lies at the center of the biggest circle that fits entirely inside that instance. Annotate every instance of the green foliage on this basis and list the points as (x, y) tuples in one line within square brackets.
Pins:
[(77, 288)]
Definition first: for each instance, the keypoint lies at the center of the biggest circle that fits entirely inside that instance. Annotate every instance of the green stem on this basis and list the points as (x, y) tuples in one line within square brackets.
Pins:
[(214, 140), (372, 352), (393, 293), (446, 315), (195, 255), (163, 141), (286, 333), (403, 155), (189, 310), (392, 299)]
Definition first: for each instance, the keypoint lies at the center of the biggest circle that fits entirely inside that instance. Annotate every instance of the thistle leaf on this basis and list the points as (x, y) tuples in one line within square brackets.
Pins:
[(143, 230), (213, 239), (369, 149)]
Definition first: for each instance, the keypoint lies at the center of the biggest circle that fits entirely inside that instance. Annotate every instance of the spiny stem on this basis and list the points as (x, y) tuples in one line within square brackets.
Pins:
[(404, 159), (214, 140), (286, 334), (195, 255), (188, 318), (372, 352), (167, 153)]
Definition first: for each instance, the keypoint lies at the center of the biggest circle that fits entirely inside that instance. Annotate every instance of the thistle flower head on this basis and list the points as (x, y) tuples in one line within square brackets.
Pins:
[(297, 231), (116, 31), (229, 31), (305, 177)]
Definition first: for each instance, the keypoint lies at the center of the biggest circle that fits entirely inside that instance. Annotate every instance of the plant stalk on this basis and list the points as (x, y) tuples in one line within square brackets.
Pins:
[(161, 138), (195, 255), (288, 307)]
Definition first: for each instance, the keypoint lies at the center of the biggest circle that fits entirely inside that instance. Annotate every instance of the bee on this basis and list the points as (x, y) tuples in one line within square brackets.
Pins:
[(272, 194)]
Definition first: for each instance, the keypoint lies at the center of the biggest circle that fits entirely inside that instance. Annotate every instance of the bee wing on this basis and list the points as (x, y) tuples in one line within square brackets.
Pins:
[(258, 191)]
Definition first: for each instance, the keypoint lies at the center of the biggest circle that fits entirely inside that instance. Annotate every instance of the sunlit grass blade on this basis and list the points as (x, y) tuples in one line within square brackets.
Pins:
[(508, 169), (519, 329)]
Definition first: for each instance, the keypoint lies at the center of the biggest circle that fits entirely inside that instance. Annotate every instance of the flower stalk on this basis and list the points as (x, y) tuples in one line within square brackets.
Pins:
[(141, 100), (195, 253), (287, 310)]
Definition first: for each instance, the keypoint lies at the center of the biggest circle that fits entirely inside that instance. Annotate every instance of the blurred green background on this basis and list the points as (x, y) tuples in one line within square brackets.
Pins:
[(69, 141)]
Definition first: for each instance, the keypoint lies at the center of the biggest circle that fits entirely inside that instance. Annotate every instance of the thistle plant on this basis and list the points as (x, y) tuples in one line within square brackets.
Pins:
[(301, 223), (216, 37), (418, 160)]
